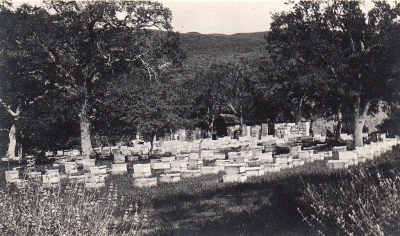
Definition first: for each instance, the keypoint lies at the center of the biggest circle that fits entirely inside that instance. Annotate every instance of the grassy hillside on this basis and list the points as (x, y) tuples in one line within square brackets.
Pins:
[(217, 45), (204, 49)]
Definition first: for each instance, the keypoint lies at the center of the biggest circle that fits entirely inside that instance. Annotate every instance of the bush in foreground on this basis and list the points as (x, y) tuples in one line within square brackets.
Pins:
[(364, 201), (70, 210)]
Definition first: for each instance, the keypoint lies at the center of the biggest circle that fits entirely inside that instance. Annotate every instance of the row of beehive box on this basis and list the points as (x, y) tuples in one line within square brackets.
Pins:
[(232, 173), (184, 147), (343, 158), (60, 153), (52, 178), (238, 171), (193, 166), (176, 147)]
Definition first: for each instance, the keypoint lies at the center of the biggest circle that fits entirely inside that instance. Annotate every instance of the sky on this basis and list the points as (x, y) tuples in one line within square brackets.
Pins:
[(221, 16), (224, 17)]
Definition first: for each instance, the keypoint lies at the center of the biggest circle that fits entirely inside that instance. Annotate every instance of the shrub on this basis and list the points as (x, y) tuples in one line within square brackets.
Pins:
[(360, 202), (70, 210)]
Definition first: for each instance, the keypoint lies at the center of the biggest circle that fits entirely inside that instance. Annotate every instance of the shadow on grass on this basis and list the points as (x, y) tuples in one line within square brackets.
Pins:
[(267, 207)]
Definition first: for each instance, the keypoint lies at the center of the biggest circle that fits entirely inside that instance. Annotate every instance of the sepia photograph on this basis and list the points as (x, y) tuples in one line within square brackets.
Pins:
[(199, 117)]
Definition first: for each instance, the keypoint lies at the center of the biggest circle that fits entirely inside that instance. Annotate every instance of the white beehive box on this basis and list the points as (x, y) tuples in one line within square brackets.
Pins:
[(70, 167), (12, 176), (94, 178), (49, 154), (364, 154), (232, 178), (196, 156), (256, 151), (298, 162), (160, 165), (119, 168), (145, 182), (272, 168), (177, 166), (194, 164), (87, 163), (266, 157), (235, 168), (283, 159), (141, 175), (318, 156), (141, 168), (337, 164), (77, 178), (219, 156), (375, 149), (222, 162), (60, 153), (207, 154), (98, 169), (168, 159), (349, 156), (170, 178), (335, 150), (76, 152), (327, 154), (95, 185), (51, 179), (255, 171), (35, 176), (190, 173), (305, 156), (119, 157), (233, 155), (206, 170)]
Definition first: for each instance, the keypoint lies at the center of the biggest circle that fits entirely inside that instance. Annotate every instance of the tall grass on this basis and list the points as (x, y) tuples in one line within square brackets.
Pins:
[(71, 210), (360, 201), (364, 201)]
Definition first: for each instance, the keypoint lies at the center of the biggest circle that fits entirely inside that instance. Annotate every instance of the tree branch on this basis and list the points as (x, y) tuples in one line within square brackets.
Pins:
[(231, 107), (38, 98), (8, 108)]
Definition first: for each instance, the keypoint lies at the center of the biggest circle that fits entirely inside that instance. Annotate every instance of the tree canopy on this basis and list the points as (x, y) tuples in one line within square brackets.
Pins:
[(80, 46), (333, 54)]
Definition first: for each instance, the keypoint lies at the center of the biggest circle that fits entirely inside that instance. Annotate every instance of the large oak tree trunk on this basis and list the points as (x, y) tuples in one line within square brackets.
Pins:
[(13, 132), (338, 128), (13, 142), (311, 131), (86, 143), (360, 112)]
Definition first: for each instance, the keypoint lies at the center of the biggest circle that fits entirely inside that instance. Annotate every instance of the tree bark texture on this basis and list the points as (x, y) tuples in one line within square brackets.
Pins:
[(13, 131), (311, 131), (13, 142), (86, 143), (360, 113), (338, 128)]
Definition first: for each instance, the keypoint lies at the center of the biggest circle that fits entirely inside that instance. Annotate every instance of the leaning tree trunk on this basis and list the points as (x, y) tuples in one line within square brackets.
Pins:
[(299, 115), (360, 113), (151, 147), (311, 131), (13, 142), (86, 143), (338, 128), (13, 132)]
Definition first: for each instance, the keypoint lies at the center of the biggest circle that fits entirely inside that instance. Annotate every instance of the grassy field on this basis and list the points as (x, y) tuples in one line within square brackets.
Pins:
[(300, 201)]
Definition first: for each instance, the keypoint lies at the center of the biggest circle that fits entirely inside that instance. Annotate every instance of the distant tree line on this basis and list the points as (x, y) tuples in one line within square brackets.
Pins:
[(74, 73)]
